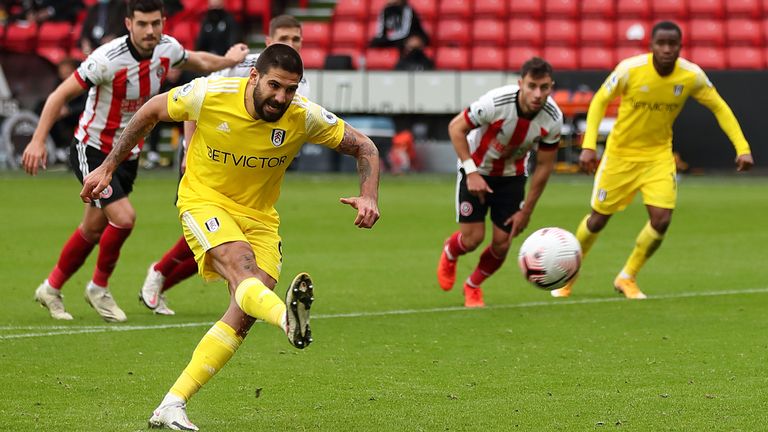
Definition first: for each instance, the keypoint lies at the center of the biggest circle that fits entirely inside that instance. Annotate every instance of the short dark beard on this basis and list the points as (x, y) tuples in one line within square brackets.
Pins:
[(258, 107)]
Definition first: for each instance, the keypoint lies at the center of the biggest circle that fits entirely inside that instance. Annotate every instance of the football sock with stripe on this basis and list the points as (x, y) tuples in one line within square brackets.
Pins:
[(175, 256), (72, 257), (454, 248), (111, 241), (258, 301), (646, 244), (487, 266), (211, 354), (585, 236)]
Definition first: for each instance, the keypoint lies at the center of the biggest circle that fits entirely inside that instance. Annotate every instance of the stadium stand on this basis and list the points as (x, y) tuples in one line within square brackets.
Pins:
[(718, 34)]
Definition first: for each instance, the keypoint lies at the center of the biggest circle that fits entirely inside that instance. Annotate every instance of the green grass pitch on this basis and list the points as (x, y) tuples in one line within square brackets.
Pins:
[(392, 352)]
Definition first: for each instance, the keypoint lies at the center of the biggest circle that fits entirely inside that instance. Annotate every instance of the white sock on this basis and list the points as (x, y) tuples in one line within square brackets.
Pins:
[(624, 275), (172, 399)]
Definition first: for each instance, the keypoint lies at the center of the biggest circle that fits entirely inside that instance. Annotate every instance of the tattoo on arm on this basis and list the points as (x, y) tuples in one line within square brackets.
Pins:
[(364, 151), (133, 132)]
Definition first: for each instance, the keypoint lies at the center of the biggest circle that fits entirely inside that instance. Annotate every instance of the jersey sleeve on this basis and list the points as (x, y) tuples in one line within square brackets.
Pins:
[(552, 140), (704, 93), (612, 87), (481, 112), (178, 54), (322, 126), (185, 102), (94, 70)]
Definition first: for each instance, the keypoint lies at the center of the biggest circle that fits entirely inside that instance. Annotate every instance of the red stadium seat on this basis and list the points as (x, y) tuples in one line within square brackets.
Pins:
[(745, 58), (56, 34), (524, 31), (455, 9), (597, 31), (517, 55), (525, 8), (743, 8), (235, 6), (599, 58), (669, 9), (427, 9), (76, 53), (453, 32), (491, 8), (20, 37), (489, 31), (707, 32), (352, 9), (261, 8), (54, 54), (349, 33), (708, 57), (186, 33), (633, 32), (376, 6), (562, 58), (381, 58), (742, 31), (561, 31), (561, 8), (598, 8), (452, 58), (313, 57), (633, 9), (488, 58), (706, 8), (622, 53), (316, 34)]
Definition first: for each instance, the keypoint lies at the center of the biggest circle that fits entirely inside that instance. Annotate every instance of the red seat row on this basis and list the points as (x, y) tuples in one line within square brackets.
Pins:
[(646, 9), (488, 58), (590, 31)]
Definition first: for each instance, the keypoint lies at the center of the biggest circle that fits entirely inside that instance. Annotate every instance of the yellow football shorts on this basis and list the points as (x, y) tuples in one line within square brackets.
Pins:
[(618, 180), (206, 227)]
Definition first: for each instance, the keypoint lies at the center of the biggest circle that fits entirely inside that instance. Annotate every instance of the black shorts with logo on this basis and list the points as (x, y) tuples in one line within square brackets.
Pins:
[(506, 199), (84, 159)]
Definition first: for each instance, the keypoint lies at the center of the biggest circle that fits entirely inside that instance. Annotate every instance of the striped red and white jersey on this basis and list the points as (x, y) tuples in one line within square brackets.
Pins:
[(501, 140), (119, 83)]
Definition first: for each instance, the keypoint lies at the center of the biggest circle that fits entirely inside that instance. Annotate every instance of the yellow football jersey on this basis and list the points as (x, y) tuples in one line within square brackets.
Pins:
[(235, 161), (650, 103)]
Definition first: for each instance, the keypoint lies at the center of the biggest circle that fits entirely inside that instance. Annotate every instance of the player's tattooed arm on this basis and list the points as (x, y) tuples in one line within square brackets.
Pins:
[(138, 127), (356, 144)]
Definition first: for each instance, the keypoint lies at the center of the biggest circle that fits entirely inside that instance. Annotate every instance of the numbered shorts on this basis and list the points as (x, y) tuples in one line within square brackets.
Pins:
[(206, 227), (83, 159), (506, 200), (617, 181)]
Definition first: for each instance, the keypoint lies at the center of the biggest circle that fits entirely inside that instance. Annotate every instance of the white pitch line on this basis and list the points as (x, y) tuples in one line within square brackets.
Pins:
[(44, 331)]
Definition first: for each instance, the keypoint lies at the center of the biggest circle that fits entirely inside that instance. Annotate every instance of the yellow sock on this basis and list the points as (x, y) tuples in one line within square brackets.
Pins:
[(212, 353), (258, 301), (585, 237), (646, 244)]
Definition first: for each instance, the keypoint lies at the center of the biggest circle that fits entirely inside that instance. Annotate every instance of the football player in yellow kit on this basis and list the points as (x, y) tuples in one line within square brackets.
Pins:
[(638, 155), (248, 131)]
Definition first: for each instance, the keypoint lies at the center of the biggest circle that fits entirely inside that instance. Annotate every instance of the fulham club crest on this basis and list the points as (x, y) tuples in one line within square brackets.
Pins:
[(678, 90), (278, 137)]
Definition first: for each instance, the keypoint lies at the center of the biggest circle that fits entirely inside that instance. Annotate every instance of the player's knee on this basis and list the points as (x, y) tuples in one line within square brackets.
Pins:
[(661, 223), (472, 241), (597, 222)]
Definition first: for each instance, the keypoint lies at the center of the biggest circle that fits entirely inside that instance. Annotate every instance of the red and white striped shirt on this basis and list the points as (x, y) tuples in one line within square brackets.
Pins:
[(120, 82), (501, 141)]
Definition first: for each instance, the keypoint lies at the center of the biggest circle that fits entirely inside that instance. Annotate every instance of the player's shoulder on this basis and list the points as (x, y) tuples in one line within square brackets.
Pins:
[(169, 42), (219, 84), (689, 66), (634, 62), (112, 50), (504, 95), (552, 109)]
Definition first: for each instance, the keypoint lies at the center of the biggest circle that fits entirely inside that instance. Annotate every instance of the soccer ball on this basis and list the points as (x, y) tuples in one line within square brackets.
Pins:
[(549, 258)]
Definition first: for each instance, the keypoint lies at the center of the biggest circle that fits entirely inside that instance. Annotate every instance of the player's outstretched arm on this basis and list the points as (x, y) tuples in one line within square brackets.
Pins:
[(138, 127), (362, 148), (545, 164), (205, 62), (35, 154)]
